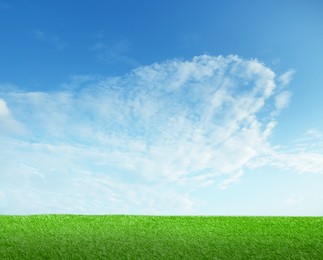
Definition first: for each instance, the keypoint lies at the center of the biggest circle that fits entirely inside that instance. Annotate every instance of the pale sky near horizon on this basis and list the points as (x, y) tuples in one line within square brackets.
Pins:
[(161, 107)]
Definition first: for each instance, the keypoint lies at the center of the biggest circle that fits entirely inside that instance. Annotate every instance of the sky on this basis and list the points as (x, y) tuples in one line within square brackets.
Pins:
[(210, 107)]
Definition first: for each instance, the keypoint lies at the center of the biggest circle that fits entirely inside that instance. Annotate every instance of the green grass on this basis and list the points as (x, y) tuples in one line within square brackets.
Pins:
[(157, 237)]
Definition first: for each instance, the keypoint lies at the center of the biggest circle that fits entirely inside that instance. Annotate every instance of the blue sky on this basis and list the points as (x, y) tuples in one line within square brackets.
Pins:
[(161, 107)]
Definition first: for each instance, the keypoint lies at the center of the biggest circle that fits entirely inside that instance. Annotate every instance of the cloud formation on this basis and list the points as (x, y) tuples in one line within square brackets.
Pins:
[(282, 100), (143, 142), (286, 77), (8, 124)]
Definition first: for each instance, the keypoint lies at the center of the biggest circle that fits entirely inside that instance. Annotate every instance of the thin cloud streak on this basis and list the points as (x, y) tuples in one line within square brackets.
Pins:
[(286, 77)]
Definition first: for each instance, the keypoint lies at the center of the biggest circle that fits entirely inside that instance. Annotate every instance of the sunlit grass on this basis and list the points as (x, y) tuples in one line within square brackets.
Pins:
[(160, 237)]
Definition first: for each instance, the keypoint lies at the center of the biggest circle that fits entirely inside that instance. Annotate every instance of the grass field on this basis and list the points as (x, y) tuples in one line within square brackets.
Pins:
[(157, 237)]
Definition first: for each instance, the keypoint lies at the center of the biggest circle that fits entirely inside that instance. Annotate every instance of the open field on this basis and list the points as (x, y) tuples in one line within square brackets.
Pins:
[(160, 237)]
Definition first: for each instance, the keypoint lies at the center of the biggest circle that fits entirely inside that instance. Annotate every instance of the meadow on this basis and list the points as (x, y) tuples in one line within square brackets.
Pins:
[(160, 237)]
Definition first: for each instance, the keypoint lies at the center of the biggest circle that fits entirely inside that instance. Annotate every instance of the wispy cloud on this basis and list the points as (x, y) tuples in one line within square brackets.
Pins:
[(114, 53), (282, 99), (232, 179), (302, 155), (286, 77), (309, 162), (50, 38), (142, 142), (310, 141)]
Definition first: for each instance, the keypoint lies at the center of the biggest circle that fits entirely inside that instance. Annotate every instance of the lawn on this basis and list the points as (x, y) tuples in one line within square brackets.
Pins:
[(160, 237)]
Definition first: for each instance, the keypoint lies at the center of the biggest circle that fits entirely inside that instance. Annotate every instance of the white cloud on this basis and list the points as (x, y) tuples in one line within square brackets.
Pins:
[(310, 141), (282, 100), (309, 162), (302, 155), (232, 179), (8, 124), (141, 142), (286, 77), (4, 111)]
